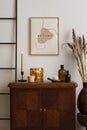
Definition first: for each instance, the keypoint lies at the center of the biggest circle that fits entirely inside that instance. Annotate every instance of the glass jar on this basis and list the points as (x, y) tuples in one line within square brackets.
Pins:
[(62, 73), (38, 73)]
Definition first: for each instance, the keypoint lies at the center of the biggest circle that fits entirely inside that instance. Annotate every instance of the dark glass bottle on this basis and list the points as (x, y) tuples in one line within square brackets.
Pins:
[(68, 77), (62, 73)]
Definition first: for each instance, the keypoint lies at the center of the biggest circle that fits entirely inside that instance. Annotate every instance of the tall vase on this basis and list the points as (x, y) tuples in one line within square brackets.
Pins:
[(82, 99)]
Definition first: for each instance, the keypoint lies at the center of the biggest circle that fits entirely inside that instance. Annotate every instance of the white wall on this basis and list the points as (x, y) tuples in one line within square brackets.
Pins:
[(72, 14)]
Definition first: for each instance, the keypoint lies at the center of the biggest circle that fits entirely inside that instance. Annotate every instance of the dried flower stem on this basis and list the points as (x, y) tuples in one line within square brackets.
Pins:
[(79, 51)]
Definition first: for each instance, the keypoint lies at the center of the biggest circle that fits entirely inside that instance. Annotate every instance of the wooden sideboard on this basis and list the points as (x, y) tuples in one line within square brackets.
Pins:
[(42, 106)]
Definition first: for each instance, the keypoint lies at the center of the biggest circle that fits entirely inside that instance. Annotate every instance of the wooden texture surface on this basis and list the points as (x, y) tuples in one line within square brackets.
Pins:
[(42, 106)]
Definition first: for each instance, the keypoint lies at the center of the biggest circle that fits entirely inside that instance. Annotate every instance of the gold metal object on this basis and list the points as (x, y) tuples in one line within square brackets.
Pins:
[(40, 109), (38, 73), (45, 110)]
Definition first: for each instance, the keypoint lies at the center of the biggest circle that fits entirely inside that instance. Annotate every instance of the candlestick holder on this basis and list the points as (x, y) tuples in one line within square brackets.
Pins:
[(22, 79)]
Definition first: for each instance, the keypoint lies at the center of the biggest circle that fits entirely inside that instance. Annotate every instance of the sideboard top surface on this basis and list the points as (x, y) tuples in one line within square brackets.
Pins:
[(42, 85)]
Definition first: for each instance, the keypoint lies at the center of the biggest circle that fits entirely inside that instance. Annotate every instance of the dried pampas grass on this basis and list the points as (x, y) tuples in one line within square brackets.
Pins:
[(79, 49)]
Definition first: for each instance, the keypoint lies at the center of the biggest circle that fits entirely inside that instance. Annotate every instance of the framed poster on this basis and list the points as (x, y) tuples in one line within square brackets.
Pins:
[(44, 35)]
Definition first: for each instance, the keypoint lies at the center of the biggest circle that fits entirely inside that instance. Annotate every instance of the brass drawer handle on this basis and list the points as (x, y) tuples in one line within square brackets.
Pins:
[(40, 109), (45, 109)]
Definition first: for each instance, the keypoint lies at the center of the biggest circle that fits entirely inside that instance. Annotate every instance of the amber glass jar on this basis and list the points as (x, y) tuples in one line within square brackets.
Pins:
[(62, 73)]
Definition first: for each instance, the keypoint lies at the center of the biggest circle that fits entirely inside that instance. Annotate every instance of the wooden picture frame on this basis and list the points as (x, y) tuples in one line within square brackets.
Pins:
[(44, 36)]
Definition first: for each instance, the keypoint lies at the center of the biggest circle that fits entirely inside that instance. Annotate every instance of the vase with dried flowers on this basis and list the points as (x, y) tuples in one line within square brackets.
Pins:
[(79, 49)]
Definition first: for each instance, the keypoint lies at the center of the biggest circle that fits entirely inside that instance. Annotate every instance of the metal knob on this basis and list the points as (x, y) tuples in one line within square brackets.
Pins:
[(45, 109), (40, 109)]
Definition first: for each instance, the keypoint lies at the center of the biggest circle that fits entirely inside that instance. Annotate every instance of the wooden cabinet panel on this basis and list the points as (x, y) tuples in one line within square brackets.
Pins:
[(59, 109), (51, 120), (51, 112), (25, 107), (42, 106), (20, 118)]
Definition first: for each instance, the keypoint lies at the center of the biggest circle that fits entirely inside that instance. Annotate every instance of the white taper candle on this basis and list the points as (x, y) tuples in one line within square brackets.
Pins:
[(22, 62)]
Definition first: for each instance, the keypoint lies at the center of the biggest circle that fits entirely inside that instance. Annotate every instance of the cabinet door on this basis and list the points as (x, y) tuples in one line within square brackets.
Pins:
[(59, 109), (25, 110), (67, 109), (51, 113)]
